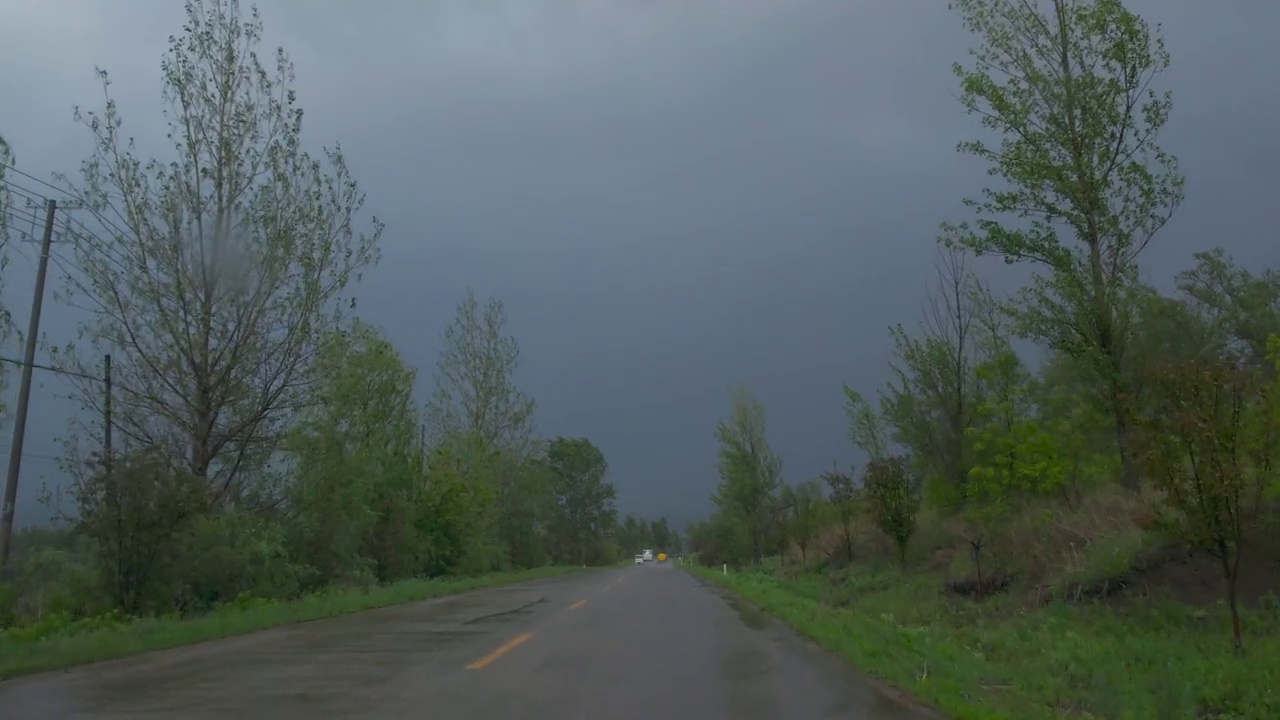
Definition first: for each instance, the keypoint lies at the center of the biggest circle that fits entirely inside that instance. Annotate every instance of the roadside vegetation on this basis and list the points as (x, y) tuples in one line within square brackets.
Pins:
[(1068, 502), (268, 460)]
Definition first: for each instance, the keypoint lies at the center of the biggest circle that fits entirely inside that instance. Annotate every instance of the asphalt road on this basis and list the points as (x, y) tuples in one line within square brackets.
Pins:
[(647, 642)]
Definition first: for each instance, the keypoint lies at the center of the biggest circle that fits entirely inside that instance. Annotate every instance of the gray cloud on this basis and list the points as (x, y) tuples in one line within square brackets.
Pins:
[(670, 196)]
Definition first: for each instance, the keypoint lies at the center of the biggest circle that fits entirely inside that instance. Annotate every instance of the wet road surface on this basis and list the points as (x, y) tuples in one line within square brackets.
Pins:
[(647, 642)]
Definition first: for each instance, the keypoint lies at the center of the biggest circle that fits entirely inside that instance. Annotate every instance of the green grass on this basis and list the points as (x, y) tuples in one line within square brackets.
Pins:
[(58, 644), (996, 659)]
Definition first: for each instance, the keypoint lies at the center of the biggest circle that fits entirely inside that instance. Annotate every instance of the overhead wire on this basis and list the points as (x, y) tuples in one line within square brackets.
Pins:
[(35, 220), (64, 223), (33, 456), (28, 212), (70, 227), (79, 234), (106, 222)]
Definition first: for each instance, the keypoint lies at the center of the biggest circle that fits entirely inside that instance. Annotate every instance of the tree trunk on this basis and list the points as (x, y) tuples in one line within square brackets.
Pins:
[(975, 547), (755, 545), (1230, 572), (848, 541), (1129, 478)]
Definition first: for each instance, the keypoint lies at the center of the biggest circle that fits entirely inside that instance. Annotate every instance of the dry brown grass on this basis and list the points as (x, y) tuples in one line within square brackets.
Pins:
[(1046, 547)]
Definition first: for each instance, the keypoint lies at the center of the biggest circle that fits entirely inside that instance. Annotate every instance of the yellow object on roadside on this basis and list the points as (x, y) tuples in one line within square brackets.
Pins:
[(662, 557)]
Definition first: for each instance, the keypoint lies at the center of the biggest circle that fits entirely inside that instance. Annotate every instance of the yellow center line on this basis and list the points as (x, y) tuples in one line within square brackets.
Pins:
[(578, 604), (510, 645)]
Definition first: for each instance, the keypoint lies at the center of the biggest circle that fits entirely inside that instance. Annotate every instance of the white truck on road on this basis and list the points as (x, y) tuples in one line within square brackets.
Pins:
[(648, 556)]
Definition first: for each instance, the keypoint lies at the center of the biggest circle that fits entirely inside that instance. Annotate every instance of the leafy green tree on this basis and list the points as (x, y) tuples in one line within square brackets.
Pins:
[(718, 539), (357, 473), (1211, 443), (235, 554), (633, 535), (1012, 455), (136, 516), (750, 472), (1015, 454), (1071, 416), (933, 396), (1066, 84), (893, 500), (866, 427), (802, 504), (225, 266), (459, 516), (1009, 448), (661, 534), (51, 579), (477, 406), (585, 500), (1168, 328), (1243, 310), (526, 505)]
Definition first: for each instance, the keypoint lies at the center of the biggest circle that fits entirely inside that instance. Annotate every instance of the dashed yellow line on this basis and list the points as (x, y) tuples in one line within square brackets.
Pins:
[(578, 604), (510, 645)]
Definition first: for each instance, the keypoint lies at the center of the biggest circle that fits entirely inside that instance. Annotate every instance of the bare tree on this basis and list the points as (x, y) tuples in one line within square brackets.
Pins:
[(950, 318), (224, 265), (935, 395)]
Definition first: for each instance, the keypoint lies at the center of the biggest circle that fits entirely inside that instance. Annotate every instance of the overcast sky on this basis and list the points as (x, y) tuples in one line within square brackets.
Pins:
[(670, 196)]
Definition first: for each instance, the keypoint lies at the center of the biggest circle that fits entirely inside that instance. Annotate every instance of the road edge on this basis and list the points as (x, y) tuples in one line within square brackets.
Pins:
[(711, 579), (54, 653)]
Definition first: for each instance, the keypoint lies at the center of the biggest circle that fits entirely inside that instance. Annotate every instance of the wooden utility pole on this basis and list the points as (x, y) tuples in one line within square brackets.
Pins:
[(106, 414), (24, 390)]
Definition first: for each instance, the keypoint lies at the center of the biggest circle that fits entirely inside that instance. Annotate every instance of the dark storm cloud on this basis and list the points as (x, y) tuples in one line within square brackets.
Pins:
[(670, 196)]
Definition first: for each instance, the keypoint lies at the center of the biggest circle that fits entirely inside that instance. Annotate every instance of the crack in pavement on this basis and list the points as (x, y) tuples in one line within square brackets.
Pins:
[(503, 613)]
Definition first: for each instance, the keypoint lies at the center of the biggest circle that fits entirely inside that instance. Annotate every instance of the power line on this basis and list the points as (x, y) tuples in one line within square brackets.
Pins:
[(11, 168), (75, 202), (28, 214), (28, 362), (50, 368), (34, 456)]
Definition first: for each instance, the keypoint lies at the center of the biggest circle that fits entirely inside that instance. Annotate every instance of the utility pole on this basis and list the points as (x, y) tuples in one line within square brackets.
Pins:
[(24, 390), (106, 414)]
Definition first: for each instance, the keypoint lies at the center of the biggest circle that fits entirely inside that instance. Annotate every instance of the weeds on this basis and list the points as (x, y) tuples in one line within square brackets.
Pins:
[(1002, 660)]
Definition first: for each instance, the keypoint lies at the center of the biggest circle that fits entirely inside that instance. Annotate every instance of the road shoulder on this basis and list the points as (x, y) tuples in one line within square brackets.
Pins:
[(27, 651), (761, 617)]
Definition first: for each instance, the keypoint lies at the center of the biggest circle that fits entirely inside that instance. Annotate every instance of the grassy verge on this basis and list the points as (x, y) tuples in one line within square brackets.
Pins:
[(29, 650), (997, 660)]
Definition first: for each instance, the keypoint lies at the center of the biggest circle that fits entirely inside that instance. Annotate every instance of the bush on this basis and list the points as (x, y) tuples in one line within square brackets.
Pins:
[(892, 501)]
